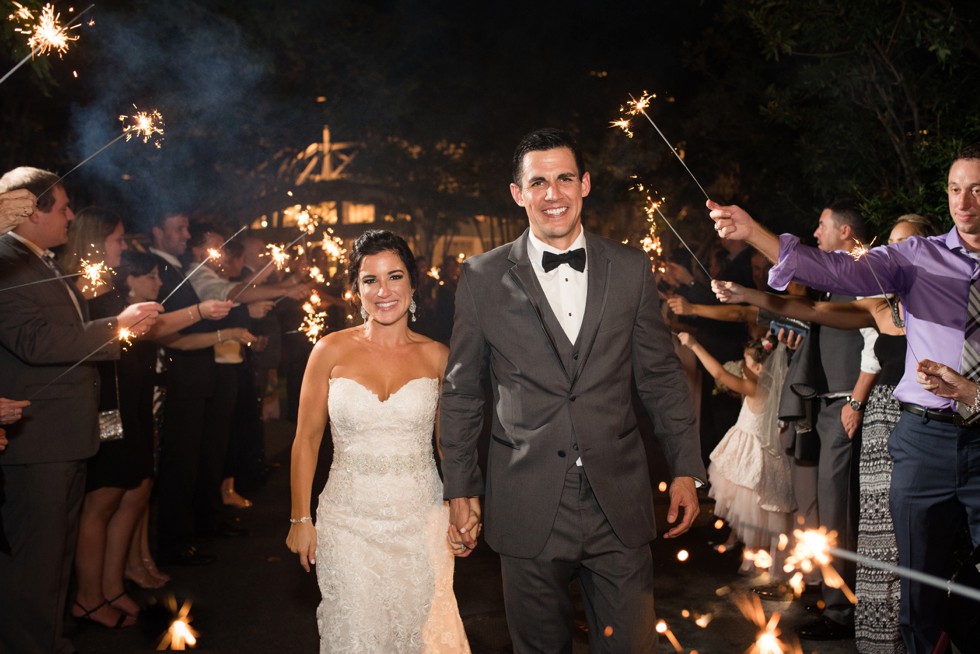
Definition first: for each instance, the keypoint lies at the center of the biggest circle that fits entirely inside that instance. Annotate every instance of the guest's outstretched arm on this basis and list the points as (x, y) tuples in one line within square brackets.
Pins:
[(840, 315), (735, 224)]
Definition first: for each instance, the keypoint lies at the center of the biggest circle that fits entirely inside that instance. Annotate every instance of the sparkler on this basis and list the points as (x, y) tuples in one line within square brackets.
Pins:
[(180, 634), (639, 107), (278, 255), (93, 272), (213, 253), (144, 125), (767, 641), (123, 335), (653, 207), (44, 36)]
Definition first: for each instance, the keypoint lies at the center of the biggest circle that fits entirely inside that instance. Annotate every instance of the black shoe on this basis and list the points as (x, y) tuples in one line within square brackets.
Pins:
[(224, 529), (187, 556), (825, 629), (775, 592)]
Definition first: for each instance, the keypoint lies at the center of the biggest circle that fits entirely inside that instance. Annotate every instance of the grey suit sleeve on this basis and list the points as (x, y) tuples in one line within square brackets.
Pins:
[(663, 387), (461, 406), (37, 340)]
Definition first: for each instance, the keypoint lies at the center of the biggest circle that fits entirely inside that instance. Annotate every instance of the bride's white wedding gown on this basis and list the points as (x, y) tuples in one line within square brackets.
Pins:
[(383, 563)]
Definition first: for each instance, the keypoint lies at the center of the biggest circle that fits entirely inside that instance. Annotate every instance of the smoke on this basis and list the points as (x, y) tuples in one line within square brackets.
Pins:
[(196, 69)]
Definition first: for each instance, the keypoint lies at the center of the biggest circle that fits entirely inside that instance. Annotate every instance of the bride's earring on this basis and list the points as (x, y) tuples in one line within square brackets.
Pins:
[(364, 315), (412, 308)]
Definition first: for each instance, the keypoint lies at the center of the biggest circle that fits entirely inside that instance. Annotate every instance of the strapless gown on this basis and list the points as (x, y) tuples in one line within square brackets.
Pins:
[(383, 563)]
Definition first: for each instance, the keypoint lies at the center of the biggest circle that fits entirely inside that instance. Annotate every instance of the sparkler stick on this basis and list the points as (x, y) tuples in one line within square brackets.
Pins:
[(266, 266), (145, 125), (90, 271), (213, 253), (46, 35), (123, 335), (639, 107)]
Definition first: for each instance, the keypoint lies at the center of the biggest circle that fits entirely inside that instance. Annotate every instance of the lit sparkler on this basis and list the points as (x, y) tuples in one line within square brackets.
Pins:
[(653, 207), (434, 273), (662, 628), (180, 635), (94, 273), (813, 549), (45, 35), (144, 125), (636, 107), (279, 255), (767, 641)]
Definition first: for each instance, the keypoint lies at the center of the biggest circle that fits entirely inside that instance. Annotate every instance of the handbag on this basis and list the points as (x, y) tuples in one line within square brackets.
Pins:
[(110, 421)]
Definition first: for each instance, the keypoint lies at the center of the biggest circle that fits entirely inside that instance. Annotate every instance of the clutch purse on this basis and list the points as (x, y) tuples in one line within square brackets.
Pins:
[(110, 421), (110, 425)]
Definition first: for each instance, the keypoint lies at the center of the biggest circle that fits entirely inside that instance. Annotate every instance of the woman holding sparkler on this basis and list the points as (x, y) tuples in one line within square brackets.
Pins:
[(381, 515), (118, 479)]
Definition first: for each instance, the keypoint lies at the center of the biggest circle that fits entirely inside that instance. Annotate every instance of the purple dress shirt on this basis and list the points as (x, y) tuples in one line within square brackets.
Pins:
[(932, 276)]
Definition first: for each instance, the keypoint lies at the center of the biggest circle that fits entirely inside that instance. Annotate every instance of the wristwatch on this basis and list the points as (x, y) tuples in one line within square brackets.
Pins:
[(857, 405)]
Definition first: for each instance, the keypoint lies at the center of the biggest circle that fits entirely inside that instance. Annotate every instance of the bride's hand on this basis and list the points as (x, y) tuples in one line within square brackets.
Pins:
[(302, 541), (464, 524)]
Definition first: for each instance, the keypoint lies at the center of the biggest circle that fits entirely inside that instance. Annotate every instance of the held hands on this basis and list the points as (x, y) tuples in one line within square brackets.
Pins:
[(464, 525), (215, 309), (683, 496), (302, 541), (731, 221), (945, 382)]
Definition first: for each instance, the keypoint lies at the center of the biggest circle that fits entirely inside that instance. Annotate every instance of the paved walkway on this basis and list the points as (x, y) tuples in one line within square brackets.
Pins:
[(256, 598)]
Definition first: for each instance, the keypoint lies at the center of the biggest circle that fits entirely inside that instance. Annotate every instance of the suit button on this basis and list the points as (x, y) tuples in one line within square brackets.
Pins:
[(572, 398), (561, 453), (575, 356)]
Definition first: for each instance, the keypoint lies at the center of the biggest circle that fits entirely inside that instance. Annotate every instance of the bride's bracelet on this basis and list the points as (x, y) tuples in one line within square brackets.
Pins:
[(299, 521)]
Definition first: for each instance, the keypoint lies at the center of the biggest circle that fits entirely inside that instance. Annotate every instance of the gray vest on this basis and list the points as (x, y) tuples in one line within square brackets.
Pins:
[(840, 354)]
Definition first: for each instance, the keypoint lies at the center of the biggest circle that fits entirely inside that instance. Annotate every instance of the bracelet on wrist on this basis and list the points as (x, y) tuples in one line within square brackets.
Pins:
[(299, 521), (975, 407), (199, 314)]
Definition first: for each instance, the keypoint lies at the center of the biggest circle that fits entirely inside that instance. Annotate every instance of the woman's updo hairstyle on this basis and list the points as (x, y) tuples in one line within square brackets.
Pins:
[(376, 241)]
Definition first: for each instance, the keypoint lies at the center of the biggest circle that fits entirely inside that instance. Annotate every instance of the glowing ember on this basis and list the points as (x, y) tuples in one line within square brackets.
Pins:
[(144, 125), (767, 641), (125, 336), (662, 487), (433, 272), (279, 255), (180, 635), (683, 555), (316, 275), (214, 254), (624, 124), (719, 523), (662, 628)]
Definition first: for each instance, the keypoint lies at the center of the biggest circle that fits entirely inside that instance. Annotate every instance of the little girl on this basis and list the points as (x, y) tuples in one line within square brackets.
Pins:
[(749, 474)]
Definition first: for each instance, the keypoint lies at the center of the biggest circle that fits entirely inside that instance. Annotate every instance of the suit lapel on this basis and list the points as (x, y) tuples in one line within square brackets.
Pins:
[(523, 274), (595, 299)]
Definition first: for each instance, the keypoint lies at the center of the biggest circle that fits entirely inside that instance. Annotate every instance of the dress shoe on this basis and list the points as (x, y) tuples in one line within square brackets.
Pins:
[(774, 592), (825, 629), (187, 556), (224, 529)]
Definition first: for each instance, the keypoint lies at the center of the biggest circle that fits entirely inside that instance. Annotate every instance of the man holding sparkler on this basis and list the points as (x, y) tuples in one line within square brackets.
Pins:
[(45, 338), (561, 322), (935, 445)]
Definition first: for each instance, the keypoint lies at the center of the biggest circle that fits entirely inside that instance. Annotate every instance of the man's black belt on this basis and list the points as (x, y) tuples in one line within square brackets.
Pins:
[(932, 414)]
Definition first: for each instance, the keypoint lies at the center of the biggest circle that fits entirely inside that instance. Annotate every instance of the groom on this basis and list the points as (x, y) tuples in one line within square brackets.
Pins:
[(561, 323)]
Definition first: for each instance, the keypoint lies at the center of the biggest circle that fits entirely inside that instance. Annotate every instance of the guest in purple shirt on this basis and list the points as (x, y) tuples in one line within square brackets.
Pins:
[(936, 480)]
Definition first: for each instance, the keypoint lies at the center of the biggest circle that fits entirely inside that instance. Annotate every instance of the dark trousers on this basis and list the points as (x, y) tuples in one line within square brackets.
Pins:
[(935, 487), (837, 502), (208, 504), (616, 583), (180, 457), (40, 514), (246, 445)]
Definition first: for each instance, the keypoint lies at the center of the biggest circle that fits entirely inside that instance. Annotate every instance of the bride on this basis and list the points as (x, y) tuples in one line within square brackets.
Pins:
[(384, 566)]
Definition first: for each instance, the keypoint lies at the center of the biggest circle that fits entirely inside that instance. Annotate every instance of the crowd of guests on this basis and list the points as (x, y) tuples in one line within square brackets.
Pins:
[(95, 423), (847, 404)]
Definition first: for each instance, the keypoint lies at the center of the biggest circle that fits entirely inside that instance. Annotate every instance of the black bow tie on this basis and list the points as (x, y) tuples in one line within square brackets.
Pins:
[(574, 258)]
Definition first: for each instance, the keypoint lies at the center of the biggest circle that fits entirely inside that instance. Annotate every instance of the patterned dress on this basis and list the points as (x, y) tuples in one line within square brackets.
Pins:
[(383, 561), (876, 613)]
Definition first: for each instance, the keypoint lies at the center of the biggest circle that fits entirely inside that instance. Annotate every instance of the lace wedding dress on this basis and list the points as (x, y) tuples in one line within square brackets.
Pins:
[(383, 563)]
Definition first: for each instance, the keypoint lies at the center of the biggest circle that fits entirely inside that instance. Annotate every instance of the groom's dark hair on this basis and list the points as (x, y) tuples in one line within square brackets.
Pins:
[(375, 241), (546, 138)]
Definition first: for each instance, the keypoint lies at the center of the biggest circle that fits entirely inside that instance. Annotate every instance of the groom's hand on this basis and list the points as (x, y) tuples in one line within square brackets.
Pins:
[(464, 524), (683, 496)]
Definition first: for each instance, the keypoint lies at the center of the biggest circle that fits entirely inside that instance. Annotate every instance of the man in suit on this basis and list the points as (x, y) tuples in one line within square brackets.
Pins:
[(44, 332), (561, 339)]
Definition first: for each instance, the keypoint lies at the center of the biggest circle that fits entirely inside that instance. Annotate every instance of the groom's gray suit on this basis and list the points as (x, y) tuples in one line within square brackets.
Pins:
[(557, 401)]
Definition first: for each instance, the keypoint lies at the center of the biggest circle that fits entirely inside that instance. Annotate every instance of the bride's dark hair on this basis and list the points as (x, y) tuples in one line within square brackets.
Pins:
[(375, 241)]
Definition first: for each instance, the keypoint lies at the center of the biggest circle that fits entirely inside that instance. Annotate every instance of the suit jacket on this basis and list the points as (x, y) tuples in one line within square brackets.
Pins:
[(555, 401), (190, 373), (41, 336)]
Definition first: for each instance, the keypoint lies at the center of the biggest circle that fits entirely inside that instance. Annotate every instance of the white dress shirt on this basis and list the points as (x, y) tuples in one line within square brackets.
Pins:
[(564, 287)]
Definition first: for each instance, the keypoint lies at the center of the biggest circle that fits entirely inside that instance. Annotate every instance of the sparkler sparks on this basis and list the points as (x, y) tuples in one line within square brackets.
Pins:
[(638, 107), (278, 254), (94, 273), (767, 641), (180, 635), (652, 209), (44, 35)]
